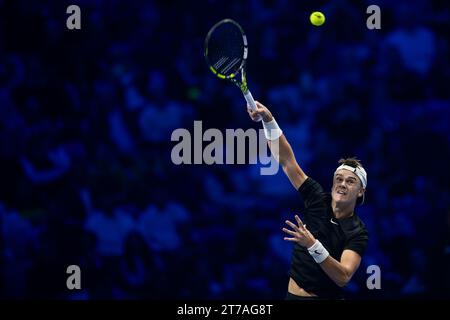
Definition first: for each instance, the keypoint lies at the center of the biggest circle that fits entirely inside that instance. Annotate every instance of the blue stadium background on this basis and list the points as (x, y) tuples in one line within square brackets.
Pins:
[(86, 118)]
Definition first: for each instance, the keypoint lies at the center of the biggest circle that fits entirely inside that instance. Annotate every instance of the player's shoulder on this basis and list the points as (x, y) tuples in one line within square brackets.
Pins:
[(313, 194), (310, 185)]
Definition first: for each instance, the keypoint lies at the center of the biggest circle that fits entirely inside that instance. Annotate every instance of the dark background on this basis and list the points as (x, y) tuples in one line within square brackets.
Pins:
[(86, 118)]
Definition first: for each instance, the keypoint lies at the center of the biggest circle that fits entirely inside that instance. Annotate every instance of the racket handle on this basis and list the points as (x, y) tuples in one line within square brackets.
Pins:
[(251, 102)]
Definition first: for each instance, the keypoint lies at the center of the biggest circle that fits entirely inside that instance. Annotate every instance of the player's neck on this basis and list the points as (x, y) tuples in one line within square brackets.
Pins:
[(342, 211)]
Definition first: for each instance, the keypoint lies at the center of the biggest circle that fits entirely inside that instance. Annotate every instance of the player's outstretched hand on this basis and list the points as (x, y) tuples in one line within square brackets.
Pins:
[(261, 111), (299, 233)]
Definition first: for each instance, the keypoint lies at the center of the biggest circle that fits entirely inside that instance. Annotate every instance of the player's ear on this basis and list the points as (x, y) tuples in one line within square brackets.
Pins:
[(361, 192)]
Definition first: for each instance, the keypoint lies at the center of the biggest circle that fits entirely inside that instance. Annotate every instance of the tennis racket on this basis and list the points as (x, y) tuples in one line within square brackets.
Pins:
[(226, 55)]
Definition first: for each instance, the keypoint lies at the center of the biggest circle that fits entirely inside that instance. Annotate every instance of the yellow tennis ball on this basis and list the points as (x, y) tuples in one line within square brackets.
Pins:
[(317, 18)]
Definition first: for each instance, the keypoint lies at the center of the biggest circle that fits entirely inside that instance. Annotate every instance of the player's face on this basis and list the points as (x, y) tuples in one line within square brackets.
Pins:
[(346, 187)]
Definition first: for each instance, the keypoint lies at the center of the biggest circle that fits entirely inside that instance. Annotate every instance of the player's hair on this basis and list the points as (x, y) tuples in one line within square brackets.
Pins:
[(353, 162)]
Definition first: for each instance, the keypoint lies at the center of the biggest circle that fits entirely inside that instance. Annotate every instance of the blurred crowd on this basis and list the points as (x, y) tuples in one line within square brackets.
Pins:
[(86, 118)]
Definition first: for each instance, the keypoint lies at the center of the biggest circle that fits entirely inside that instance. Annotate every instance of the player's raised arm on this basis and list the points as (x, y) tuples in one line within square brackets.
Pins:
[(285, 156)]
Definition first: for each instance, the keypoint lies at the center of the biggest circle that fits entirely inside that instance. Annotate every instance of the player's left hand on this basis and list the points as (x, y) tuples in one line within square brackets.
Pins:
[(299, 233)]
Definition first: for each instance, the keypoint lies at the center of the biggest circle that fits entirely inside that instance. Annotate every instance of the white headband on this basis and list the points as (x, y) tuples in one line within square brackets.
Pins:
[(359, 171)]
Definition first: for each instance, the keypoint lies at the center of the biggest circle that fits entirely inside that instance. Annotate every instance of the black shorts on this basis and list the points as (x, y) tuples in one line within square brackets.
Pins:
[(290, 296)]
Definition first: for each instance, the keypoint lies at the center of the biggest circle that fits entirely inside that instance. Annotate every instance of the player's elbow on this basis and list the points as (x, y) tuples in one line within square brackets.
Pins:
[(343, 280), (291, 168), (294, 173)]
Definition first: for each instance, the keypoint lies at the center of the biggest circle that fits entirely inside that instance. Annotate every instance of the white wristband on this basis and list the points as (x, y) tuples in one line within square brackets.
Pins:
[(271, 130), (318, 252)]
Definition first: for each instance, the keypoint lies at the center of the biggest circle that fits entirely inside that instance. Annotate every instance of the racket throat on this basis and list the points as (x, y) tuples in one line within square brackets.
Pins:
[(242, 84)]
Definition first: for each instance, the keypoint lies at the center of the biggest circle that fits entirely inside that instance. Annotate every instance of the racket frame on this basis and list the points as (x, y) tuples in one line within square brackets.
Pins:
[(241, 84)]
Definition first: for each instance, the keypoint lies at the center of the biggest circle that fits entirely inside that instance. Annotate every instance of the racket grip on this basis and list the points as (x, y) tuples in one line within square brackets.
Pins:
[(251, 102)]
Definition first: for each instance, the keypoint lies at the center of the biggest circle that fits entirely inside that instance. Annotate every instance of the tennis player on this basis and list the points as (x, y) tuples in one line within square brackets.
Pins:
[(329, 244)]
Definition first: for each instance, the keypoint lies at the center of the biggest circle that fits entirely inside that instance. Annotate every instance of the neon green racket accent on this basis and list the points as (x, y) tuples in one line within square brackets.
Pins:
[(212, 69)]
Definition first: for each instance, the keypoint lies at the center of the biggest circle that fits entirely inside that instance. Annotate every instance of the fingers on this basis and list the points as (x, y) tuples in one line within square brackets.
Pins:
[(299, 233), (293, 226), (290, 232), (253, 115), (300, 223), (259, 105), (253, 111), (256, 114)]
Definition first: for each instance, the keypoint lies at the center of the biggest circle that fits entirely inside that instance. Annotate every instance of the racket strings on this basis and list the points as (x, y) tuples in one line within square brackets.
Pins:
[(226, 48), (231, 65), (219, 63)]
